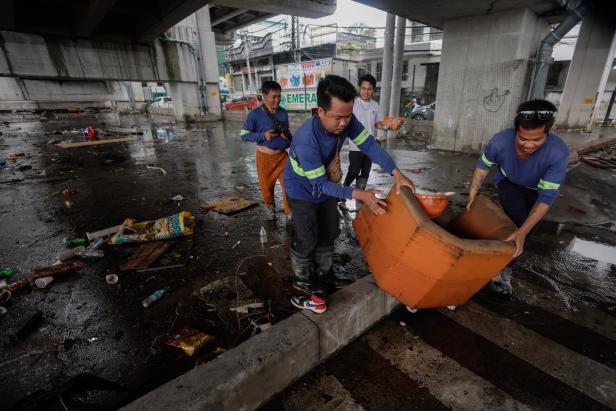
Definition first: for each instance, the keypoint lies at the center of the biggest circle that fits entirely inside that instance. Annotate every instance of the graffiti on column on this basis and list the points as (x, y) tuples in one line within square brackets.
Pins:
[(494, 101)]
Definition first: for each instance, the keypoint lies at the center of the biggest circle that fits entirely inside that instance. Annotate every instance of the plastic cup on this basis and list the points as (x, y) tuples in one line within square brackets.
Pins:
[(43, 282), (111, 279)]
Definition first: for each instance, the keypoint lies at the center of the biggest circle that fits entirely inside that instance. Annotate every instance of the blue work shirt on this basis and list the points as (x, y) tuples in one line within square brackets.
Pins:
[(258, 122), (313, 148), (544, 170)]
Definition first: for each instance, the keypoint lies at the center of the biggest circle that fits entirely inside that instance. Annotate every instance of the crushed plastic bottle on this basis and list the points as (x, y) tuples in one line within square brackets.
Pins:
[(263, 235), (94, 245), (73, 242), (155, 296), (6, 272)]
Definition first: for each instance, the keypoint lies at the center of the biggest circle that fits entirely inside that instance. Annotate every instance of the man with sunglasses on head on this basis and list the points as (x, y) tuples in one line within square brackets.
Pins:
[(531, 164)]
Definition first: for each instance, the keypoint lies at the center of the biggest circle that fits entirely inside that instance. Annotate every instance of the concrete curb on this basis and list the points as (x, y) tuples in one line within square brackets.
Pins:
[(246, 376)]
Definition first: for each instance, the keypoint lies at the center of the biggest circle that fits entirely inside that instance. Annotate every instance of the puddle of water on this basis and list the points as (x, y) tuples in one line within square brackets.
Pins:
[(594, 250)]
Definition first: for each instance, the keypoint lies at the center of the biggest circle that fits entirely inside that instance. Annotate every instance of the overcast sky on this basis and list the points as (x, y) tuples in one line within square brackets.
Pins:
[(349, 12)]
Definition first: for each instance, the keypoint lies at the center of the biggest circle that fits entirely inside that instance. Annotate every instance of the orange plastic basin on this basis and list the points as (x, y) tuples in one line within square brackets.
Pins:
[(433, 204), (424, 265)]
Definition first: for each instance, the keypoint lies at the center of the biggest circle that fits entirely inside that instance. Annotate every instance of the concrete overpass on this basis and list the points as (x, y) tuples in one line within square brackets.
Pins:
[(62, 53), (490, 59)]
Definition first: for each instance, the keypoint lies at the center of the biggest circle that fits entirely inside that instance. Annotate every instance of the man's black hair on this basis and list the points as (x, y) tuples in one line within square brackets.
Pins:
[(369, 78), (334, 86), (270, 86), (534, 122)]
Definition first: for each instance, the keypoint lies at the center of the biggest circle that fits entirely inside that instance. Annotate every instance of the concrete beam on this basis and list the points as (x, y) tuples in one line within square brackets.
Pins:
[(95, 12), (7, 17), (301, 8), (148, 31), (247, 23), (228, 16)]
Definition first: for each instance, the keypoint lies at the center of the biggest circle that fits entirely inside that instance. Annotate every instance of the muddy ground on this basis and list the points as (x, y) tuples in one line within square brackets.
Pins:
[(90, 327)]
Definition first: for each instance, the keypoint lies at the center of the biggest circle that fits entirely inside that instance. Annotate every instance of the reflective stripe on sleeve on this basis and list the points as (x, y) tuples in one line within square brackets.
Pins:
[(546, 185), (316, 173), (363, 136), (485, 160)]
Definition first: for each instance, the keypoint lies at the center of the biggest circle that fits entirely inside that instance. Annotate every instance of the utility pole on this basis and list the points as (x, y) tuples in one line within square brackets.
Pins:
[(293, 39), (247, 49)]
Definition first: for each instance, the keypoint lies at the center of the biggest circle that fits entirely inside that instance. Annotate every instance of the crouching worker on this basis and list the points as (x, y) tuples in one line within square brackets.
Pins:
[(268, 126), (312, 179), (531, 164)]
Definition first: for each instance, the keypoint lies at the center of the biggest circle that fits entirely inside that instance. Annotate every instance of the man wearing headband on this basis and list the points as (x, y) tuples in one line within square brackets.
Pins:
[(531, 164)]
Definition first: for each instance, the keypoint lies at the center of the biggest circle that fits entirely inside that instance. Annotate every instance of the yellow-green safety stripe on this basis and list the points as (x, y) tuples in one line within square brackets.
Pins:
[(485, 160), (243, 132), (503, 171), (363, 136), (316, 173), (546, 185)]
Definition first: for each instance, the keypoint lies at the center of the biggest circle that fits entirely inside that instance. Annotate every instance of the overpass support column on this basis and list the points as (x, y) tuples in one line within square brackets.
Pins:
[(396, 79), (387, 68), (209, 61), (483, 76), (588, 73), (185, 100)]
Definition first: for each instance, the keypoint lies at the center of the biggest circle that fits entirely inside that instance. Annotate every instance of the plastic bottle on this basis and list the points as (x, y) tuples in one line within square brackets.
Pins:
[(263, 235), (6, 272), (157, 295), (96, 243), (92, 254), (73, 242)]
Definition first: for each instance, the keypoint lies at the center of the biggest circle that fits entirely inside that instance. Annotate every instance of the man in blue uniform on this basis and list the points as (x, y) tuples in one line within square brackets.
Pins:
[(531, 164), (268, 126), (312, 178)]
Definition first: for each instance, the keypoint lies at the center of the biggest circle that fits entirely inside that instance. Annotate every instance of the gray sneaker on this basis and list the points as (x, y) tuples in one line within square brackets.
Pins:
[(270, 212), (501, 283)]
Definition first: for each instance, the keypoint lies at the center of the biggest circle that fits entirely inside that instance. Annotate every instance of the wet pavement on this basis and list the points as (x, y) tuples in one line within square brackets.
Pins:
[(90, 327)]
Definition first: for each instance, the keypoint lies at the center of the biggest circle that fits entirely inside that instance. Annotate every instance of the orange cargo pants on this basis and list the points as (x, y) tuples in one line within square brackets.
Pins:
[(270, 167)]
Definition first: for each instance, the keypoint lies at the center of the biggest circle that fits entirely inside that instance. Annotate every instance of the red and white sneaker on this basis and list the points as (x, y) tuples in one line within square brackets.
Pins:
[(312, 303)]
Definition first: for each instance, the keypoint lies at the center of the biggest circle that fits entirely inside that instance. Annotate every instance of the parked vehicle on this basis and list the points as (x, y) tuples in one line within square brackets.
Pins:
[(163, 102), (247, 102), (422, 112)]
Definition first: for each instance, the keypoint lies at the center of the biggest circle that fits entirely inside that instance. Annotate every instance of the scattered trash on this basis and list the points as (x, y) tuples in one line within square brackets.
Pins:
[(92, 254), (70, 242), (604, 153), (402, 324), (6, 272), (58, 269), (95, 245), (188, 340), (69, 203), (176, 256), (157, 295), (177, 198), (91, 340), (19, 154), (209, 356), (90, 134), (228, 205), (236, 244), (145, 255), (68, 192), (3, 311), (157, 168), (263, 235), (176, 225), (95, 143), (103, 233), (5, 295), (43, 282), (245, 308), (73, 252), (111, 279)]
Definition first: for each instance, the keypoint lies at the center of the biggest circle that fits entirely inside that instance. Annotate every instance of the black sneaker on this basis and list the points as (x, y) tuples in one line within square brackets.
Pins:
[(311, 288), (312, 303)]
